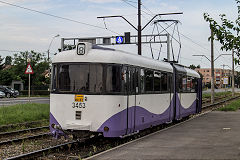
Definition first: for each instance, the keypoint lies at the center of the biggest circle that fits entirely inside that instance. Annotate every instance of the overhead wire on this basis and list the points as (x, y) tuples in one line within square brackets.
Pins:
[(186, 37), (55, 16), (168, 26)]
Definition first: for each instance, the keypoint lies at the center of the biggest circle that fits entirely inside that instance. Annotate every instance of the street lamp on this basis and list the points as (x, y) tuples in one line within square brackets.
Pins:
[(48, 51), (201, 55), (212, 67)]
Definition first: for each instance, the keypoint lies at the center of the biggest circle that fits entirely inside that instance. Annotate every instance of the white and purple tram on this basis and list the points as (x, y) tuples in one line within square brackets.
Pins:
[(115, 93)]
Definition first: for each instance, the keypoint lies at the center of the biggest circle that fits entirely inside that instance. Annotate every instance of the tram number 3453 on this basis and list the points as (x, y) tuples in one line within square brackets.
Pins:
[(78, 105)]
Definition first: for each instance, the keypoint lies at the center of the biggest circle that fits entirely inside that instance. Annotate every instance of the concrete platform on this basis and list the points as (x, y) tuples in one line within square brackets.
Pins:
[(215, 135)]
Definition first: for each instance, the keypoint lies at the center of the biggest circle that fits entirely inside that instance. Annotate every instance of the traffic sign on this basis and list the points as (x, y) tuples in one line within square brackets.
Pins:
[(119, 40), (29, 69), (225, 80)]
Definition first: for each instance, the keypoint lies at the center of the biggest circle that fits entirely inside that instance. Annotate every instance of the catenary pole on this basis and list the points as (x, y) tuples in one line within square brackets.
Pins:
[(233, 84), (212, 68), (139, 29)]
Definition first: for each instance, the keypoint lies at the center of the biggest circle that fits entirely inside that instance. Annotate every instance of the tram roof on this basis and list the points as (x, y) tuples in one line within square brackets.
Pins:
[(104, 55), (192, 73)]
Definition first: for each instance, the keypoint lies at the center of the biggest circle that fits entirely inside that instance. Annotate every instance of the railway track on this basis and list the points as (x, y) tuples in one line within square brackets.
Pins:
[(208, 105), (72, 148), (3, 134), (24, 138), (26, 125)]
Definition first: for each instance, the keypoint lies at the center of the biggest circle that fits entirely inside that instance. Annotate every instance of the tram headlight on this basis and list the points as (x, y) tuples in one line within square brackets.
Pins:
[(106, 129), (55, 126)]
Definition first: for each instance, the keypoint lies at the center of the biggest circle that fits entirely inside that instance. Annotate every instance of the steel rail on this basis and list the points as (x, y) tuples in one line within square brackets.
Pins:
[(206, 100), (22, 131), (4, 127), (24, 138), (42, 151), (220, 102)]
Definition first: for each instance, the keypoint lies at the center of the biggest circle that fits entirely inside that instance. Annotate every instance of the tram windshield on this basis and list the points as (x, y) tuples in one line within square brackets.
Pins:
[(86, 78)]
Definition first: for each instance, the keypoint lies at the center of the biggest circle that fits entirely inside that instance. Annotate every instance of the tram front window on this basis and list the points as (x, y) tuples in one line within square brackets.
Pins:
[(86, 78), (79, 78)]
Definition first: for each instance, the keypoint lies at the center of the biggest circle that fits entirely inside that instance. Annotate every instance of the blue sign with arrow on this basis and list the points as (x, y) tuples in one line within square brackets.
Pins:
[(119, 40)]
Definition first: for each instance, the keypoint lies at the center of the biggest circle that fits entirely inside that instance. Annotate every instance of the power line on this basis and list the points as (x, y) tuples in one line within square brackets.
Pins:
[(127, 2), (59, 17), (186, 37)]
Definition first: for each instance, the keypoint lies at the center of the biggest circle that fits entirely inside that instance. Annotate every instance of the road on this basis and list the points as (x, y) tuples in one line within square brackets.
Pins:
[(12, 101)]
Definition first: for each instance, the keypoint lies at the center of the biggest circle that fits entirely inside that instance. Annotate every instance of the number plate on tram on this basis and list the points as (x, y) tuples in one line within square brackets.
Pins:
[(79, 101)]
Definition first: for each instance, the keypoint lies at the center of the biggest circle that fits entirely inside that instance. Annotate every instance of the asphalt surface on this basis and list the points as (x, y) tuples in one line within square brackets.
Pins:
[(12, 101), (211, 136)]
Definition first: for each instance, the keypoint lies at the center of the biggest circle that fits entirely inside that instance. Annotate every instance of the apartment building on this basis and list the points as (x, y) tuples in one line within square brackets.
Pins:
[(219, 74)]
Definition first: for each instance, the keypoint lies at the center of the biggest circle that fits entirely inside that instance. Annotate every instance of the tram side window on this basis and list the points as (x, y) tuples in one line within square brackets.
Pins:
[(184, 83), (194, 85), (170, 82), (54, 78), (164, 82), (189, 84), (113, 79), (179, 83), (142, 80), (124, 75), (64, 78), (149, 80), (157, 81)]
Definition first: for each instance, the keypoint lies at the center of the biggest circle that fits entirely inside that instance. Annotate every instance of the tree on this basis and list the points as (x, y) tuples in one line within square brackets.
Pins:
[(8, 60), (227, 33), (39, 64), (192, 66), (1, 65), (19, 63)]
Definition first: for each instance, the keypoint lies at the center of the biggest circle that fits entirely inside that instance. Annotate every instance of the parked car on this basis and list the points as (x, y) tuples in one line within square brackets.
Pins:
[(9, 92), (2, 94)]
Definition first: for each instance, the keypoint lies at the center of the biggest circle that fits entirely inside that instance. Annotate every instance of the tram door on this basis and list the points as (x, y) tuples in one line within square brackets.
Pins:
[(133, 82)]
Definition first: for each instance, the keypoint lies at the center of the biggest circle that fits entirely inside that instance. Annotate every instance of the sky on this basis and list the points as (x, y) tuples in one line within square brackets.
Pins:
[(24, 30)]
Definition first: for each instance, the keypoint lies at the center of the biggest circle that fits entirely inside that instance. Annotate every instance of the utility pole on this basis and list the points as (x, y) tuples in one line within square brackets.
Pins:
[(168, 47), (212, 67), (233, 84), (139, 29), (223, 78)]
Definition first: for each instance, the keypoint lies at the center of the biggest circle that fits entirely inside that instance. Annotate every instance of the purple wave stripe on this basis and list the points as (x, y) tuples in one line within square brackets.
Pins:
[(117, 124), (55, 132), (183, 112)]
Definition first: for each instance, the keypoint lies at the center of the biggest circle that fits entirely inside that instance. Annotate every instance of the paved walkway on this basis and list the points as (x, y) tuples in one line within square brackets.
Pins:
[(215, 135)]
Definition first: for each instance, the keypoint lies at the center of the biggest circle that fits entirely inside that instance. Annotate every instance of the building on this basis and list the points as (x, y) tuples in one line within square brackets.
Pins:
[(219, 75)]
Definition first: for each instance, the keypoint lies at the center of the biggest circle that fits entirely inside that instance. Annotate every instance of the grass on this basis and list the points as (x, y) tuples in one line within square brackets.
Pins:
[(23, 113), (233, 106), (208, 95)]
